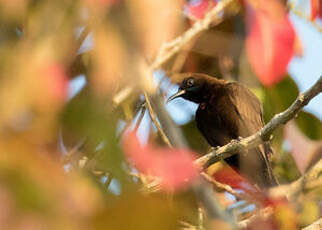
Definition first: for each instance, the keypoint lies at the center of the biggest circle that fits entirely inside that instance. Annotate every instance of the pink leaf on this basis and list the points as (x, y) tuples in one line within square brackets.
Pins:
[(199, 9), (316, 9), (229, 176), (174, 167), (270, 40), (56, 81), (303, 149)]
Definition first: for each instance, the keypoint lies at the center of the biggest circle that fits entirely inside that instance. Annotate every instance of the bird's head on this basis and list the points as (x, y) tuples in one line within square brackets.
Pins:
[(193, 87)]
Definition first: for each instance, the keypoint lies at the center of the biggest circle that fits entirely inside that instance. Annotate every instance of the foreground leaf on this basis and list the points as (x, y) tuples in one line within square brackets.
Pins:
[(270, 40), (173, 166), (316, 9)]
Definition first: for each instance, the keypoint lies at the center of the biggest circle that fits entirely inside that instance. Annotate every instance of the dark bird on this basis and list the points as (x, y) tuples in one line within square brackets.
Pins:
[(228, 111)]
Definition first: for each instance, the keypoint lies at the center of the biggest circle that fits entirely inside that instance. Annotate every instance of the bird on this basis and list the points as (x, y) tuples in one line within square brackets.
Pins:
[(229, 111)]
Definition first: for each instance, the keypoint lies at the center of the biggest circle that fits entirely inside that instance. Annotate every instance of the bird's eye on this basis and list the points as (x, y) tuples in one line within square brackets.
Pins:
[(190, 82)]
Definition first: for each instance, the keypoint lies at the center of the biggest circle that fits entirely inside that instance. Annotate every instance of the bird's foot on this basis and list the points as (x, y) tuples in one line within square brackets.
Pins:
[(235, 141)]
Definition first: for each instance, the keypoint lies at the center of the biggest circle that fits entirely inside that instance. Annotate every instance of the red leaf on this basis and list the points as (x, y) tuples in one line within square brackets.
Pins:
[(228, 176), (174, 167), (316, 9), (270, 40), (199, 9)]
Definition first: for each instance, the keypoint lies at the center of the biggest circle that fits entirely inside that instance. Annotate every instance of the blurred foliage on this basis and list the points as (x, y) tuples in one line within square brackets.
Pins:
[(285, 167), (87, 117), (48, 182), (310, 125)]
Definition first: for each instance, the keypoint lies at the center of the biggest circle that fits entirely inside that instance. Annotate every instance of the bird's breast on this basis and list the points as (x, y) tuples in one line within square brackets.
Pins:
[(211, 124)]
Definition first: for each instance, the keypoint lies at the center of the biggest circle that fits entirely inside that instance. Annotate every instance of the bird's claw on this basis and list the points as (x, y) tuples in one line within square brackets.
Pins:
[(235, 141)]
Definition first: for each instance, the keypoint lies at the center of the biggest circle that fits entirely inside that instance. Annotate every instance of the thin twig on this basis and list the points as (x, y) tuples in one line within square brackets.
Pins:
[(187, 226), (265, 133), (155, 121), (138, 123), (171, 48), (109, 180), (85, 32), (263, 214)]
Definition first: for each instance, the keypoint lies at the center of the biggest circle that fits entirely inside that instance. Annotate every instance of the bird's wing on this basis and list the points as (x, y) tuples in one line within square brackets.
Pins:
[(247, 108), (249, 119)]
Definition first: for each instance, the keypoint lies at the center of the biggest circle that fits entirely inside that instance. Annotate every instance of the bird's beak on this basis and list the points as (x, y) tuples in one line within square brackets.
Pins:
[(178, 94)]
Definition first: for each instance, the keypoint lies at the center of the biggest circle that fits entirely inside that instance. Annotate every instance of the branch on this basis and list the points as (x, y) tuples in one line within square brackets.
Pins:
[(262, 214), (265, 133), (315, 226), (171, 48), (154, 120)]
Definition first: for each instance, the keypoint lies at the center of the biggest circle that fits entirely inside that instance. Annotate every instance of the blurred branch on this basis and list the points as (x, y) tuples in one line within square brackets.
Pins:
[(138, 123), (68, 156), (154, 120), (263, 214), (171, 48), (265, 133), (77, 65), (187, 226), (122, 95), (85, 32), (108, 181), (317, 225)]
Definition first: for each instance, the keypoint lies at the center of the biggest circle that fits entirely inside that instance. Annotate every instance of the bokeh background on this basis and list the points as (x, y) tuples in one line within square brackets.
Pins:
[(72, 84)]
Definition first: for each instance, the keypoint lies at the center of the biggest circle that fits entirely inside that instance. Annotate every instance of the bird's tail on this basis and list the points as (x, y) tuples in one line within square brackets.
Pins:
[(255, 166)]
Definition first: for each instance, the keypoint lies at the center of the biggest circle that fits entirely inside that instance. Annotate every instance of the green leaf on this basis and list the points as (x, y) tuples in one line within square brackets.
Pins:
[(87, 117), (310, 125), (28, 194), (279, 97)]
